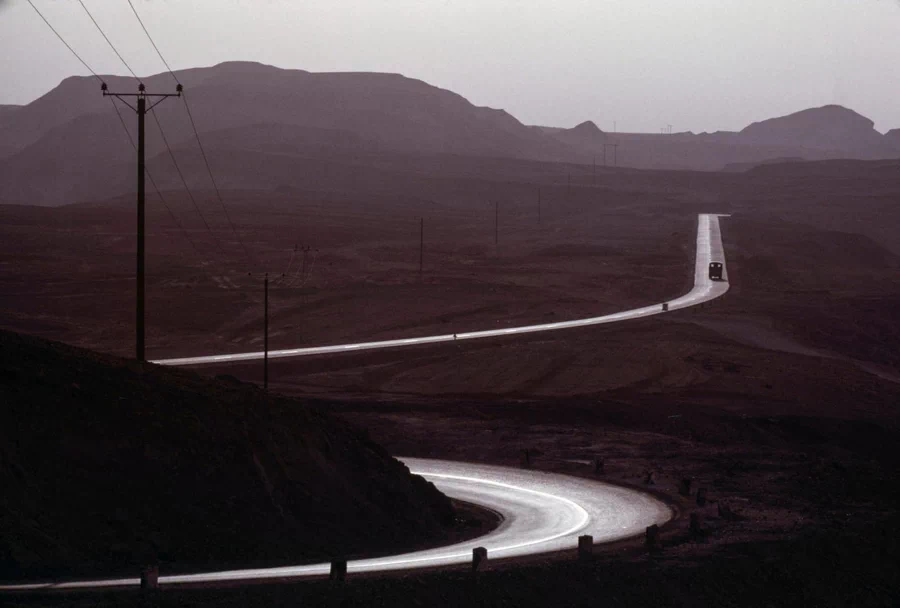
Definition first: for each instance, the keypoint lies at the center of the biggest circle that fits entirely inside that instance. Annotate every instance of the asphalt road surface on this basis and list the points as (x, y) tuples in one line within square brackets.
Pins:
[(542, 513), (709, 248)]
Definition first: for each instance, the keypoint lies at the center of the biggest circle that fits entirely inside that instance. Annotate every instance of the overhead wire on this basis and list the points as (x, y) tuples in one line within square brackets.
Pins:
[(128, 133), (153, 183), (121, 120), (61, 39), (105, 37), (196, 135), (289, 264), (183, 180), (150, 38)]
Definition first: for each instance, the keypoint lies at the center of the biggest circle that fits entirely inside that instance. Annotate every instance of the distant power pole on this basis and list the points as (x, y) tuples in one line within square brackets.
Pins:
[(141, 111), (266, 333), (615, 148)]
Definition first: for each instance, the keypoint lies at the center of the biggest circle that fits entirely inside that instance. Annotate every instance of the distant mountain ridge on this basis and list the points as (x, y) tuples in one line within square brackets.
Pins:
[(828, 127), (344, 110), (69, 145), (396, 111), (829, 132), (893, 138)]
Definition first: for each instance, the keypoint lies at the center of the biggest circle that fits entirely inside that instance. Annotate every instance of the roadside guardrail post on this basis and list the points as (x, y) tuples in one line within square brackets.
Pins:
[(150, 578), (526, 458), (652, 539), (479, 556), (338, 570), (585, 548), (701, 497)]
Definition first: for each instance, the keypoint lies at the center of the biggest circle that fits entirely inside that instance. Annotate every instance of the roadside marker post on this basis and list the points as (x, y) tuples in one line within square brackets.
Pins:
[(585, 548)]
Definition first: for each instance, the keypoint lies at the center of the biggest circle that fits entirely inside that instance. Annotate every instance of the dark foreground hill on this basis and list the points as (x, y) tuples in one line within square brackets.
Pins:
[(106, 464)]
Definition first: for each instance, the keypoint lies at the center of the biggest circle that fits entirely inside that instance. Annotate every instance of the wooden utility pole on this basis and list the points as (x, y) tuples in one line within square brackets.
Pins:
[(141, 111), (615, 148), (266, 333)]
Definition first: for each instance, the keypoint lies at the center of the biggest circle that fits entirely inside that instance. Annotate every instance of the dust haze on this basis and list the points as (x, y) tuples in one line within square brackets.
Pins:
[(449, 303)]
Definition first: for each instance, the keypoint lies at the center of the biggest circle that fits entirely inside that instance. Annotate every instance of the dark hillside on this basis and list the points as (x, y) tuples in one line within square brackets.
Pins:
[(106, 464)]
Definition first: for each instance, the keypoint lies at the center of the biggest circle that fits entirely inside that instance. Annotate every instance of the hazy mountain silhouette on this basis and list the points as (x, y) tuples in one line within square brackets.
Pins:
[(893, 138), (587, 134), (69, 144), (829, 132), (6, 113), (396, 111), (56, 169), (266, 107), (827, 128)]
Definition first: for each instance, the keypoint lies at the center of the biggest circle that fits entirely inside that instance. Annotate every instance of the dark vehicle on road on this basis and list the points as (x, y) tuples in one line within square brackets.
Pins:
[(715, 271)]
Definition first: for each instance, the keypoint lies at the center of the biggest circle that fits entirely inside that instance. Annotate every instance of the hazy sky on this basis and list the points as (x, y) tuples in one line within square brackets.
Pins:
[(700, 65)]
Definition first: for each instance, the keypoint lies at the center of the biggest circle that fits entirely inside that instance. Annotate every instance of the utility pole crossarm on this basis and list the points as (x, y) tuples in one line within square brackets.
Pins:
[(142, 92)]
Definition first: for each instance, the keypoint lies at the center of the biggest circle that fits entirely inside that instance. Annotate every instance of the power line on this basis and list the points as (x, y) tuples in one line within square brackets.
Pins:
[(118, 114), (213, 179), (121, 120), (153, 182), (183, 180), (61, 39), (187, 107), (128, 133), (102, 33), (150, 38)]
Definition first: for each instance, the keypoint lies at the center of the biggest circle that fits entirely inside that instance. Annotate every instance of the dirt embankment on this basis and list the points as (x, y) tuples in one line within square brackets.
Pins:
[(107, 464)]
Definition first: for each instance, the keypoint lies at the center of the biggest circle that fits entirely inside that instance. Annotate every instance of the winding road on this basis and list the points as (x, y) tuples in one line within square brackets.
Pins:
[(541, 512), (709, 248)]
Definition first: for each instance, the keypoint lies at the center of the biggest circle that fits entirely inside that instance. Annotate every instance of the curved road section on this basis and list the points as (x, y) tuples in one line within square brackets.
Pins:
[(709, 248), (542, 513)]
